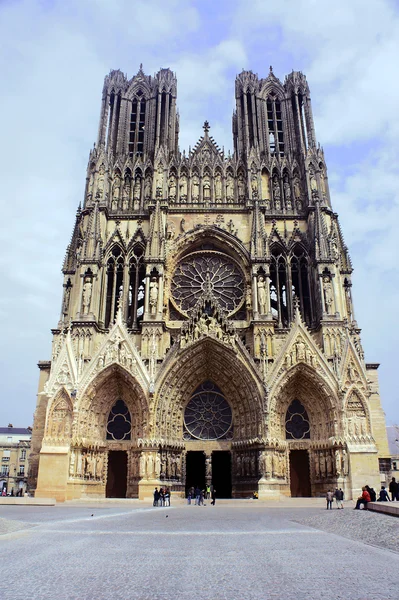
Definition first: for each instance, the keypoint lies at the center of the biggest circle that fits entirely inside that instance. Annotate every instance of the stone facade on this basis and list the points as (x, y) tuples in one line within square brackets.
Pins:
[(207, 331), (14, 459)]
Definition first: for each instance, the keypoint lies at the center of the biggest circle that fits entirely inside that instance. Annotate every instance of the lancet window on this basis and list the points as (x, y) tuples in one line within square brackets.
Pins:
[(113, 120), (297, 425), (275, 124), (137, 123), (136, 292), (290, 279), (119, 424), (114, 279)]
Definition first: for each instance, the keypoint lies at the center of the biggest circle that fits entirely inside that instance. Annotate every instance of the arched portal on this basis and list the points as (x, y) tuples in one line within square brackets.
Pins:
[(305, 421), (210, 400), (112, 417)]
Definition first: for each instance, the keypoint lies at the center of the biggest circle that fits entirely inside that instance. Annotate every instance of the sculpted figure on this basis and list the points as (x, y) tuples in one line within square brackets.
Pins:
[(116, 188), (195, 188), (345, 462), (337, 463), (207, 188), (172, 188), (183, 187), (262, 296), (159, 181), (153, 296), (218, 187), (147, 187), (99, 465), (126, 194), (72, 463), (230, 188), (276, 193), (317, 466), (328, 295), (241, 186), (86, 295), (300, 350)]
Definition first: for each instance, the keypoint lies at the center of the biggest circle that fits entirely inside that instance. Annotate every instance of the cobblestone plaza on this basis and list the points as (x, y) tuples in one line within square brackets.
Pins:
[(235, 550)]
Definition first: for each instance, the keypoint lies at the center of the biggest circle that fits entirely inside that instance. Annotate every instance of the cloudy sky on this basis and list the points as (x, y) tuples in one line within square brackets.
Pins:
[(53, 59)]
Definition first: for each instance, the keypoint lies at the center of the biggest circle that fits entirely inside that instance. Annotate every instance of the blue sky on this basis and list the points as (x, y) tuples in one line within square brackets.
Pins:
[(54, 56)]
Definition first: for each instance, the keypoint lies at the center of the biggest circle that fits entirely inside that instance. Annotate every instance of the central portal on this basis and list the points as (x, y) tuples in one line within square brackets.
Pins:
[(195, 470), (117, 474), (300, 474), (221, 473)]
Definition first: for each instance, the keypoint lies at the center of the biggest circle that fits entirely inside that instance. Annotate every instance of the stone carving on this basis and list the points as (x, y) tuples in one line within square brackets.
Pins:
[(148, 188), (183, 188), (206, 189), (218, 187), (229, 188), (86, 296), (262, 300), (241, 186), (172, 188), (328, 295), (153, 295), (195, 188)]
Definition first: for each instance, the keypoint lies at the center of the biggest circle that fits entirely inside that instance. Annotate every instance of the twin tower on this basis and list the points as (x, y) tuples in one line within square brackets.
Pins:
[(207, 333)]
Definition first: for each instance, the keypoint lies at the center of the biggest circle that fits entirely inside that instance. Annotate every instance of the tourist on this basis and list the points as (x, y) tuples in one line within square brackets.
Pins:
[(197, 495), (394, 489), (339, 498), (189, 497), (162, 497), (208, 492), (371, 491), (202, 496), (167, 497), (384, 496), (363, 499), (213, 495), (156, 497), (329, 498)]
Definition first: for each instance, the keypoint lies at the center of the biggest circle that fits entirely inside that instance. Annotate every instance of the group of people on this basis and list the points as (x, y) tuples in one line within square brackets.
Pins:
[(161, 497), (339, 498), (199, 495)]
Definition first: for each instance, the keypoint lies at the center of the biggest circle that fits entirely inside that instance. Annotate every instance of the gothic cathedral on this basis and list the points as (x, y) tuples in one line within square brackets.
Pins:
[(207, 333)]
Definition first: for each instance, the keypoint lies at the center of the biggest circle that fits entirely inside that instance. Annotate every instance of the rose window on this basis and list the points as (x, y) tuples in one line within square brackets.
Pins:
[(297, 425), (119, 426), (208, 415), (210, 274)]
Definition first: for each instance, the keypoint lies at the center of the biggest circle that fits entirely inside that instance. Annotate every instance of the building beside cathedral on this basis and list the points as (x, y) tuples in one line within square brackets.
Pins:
[(207, 332)]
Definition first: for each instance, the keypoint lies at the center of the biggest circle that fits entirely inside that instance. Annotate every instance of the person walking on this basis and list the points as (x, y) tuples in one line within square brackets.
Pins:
[(339, 498), (213, 495), (197, 496), (156, 497), (329, 498)]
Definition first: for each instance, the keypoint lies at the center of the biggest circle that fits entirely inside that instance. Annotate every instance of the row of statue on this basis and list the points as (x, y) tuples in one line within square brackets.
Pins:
[(331, 463), (206, 326), (86, 464), (126, 193), (299, 352)]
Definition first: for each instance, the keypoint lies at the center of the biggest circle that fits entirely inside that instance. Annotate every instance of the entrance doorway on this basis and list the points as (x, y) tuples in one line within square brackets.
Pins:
[(117, 474), (221, 473), (300, 474), (195, 470)]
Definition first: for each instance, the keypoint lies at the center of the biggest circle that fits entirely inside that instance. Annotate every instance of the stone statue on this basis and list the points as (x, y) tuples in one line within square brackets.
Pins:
[(328, 295), (159, 181), (87, 289), (218, 187), (195, 188), (126, 194), (116, 189), (276, 191), (72, 463), (137, 191), (300, 350), (230, 188), (99, 465), (67, 297), (337, 463), (287, 193), (147, 188), (183, 187), (153, 295), (262, 302), (207, 189), (241, 186), (345, 462), (172, 188)]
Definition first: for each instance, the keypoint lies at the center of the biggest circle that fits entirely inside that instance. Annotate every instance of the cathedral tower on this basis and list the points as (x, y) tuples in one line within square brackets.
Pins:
[(207, 333)]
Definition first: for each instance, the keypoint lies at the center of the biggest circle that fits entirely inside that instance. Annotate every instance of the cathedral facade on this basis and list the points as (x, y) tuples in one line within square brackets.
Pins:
[(207, 332)]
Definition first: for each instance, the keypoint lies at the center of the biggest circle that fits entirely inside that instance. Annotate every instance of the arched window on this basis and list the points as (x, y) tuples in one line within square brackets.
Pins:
[(137, 123), (119, 424), (275, 124), (136, 287), (114, 284), (297, 425), (300, 282), (208, 415), (278, 287)]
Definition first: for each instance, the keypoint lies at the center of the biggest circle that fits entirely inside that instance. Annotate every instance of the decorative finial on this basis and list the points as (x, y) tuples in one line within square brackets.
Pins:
[(206, 127), (271, 69), (141, 66)]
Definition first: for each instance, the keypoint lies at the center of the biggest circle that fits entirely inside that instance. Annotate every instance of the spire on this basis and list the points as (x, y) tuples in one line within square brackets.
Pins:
[(156, 244), (74, 245), (258, 235)]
